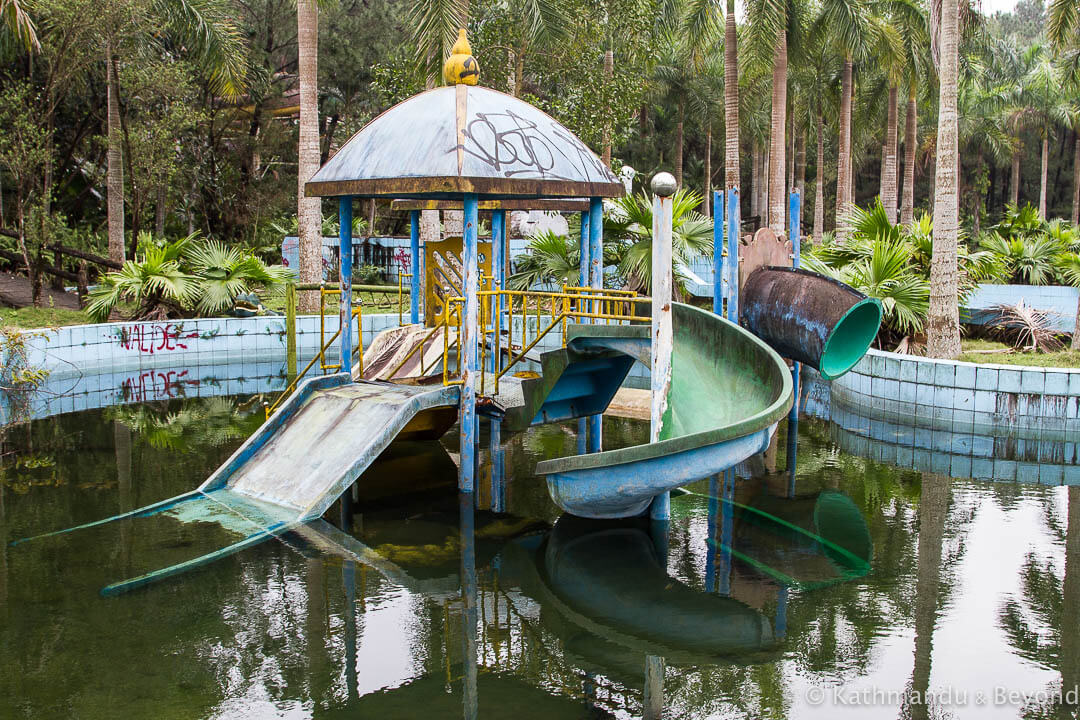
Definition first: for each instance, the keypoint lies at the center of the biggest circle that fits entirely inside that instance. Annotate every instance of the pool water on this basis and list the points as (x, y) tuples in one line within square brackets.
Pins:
[(848, 587)]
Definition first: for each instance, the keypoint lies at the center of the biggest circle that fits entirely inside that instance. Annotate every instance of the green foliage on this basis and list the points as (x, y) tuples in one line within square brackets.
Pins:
[(550, 258), (630, 223), (183, 276), (18, 379)]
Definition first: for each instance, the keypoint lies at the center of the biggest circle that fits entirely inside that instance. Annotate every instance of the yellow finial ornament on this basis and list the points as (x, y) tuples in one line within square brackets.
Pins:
[(461, 67)]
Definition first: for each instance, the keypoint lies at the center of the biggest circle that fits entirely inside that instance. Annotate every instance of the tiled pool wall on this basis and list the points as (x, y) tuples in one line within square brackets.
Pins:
[(111, 347), (94, 366), (995, 422)]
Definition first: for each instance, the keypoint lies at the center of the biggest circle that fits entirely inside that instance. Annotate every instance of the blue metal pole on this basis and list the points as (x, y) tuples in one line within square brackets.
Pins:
[(498, 272), (468, 347), (795, 233), (734, 216), (345, 281), (718, 252), (596, 280), (583, 281), (414, 285)]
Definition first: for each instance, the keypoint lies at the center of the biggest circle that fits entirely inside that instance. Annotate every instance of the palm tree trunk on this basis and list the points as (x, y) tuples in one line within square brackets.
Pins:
[(755, 192), (679, 142), (943, 322), (1014, 182), (778, 136), (707, 209), (907, 204), (731, 99), (1042, 176), (843, 160), (609, 72), (1075, 343), (114, 174), (1076, 178), (309, 210), (800, 164), (1069, 664), (888, 186), (819, 181)]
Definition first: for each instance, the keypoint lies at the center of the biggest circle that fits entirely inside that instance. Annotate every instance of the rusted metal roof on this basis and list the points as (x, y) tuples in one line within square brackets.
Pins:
[(464, 139)]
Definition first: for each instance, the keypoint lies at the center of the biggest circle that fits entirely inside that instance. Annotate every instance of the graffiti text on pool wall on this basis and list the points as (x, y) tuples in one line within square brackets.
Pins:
[(152, 385), (155, 338)]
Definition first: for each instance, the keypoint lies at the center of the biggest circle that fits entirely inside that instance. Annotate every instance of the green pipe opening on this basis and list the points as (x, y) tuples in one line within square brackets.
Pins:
[(850, 338)]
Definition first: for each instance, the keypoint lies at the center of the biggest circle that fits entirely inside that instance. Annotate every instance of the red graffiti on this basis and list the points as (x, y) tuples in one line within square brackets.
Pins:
[(403, 259), (155, 338), (152, 385)]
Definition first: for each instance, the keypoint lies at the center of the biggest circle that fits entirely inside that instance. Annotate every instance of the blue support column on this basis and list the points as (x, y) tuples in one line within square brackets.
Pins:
[(414, 284), (718, 252), (734, 216), (469, 598), (468, 347), (583, 281), (795, 234), (498, 271), (345, 281), (596, 280)]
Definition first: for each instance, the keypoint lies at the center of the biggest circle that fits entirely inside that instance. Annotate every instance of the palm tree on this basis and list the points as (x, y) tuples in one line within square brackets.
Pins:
[(631, 224), (731, 99), (943, 322), (18, 24), (206, 31), (308, 210), (1069, 266), (1045, 104), (910, 21)]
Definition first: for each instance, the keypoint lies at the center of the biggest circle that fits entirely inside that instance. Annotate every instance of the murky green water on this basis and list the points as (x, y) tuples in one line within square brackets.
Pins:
[(858, 589)]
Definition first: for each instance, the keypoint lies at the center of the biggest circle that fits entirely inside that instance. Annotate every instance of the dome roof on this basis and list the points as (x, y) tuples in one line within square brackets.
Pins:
[(464, 139)]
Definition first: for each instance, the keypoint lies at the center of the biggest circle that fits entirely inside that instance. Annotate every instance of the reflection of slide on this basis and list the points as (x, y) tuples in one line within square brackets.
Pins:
[(299, 462), (616, 603), (728, 390)]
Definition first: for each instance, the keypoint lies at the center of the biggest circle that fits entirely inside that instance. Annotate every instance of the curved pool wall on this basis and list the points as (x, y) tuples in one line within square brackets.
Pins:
[(93, 366), (991, 422)]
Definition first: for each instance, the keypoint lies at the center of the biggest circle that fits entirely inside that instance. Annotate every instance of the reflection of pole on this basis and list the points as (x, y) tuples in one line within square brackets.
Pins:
[(710, 543), (583, 281), (468, 602), (654, 688), (122, 449), (498, 484), (596, 280), (663, 187), (345, 281), (468, 347), (780, 625), (933, 509), (348, 579), (1070, 627), (727, 520), (414, 284), (792, 452)]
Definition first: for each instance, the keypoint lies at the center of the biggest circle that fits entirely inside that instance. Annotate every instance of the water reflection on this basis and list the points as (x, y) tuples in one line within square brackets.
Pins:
[(857, 576)]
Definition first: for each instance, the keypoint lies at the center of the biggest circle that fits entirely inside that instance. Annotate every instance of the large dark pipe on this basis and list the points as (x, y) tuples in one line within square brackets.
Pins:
[(810, 318)]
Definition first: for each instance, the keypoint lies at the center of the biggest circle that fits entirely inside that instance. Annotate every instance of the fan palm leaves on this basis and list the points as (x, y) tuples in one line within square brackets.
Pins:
[(631, 222), (224, 272), (1027, 260), (550, 258), (177, 277)]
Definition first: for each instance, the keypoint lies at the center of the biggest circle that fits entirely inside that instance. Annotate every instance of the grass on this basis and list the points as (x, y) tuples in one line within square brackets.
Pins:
[(999, 353), (29, 318)]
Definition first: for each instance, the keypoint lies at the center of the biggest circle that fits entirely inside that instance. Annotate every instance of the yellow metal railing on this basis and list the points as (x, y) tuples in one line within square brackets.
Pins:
[(545, 310)]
